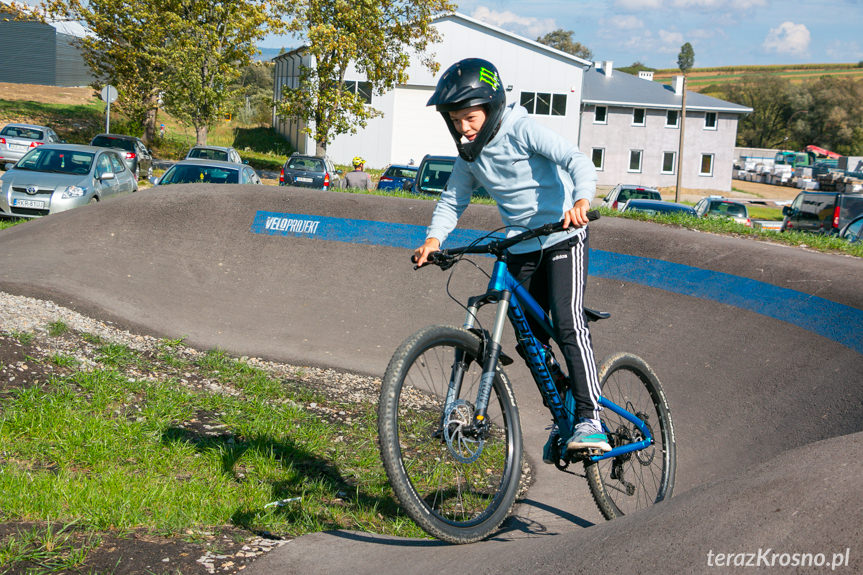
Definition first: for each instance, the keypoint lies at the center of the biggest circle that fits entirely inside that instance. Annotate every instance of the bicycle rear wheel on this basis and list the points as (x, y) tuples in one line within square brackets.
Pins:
[(636, 480), (454, 487)]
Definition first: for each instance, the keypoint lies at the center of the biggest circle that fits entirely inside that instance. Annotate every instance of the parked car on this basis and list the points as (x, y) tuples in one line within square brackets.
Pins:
[(853, 230), (58, 177), (821, 212), (136, 154), (433, 174), (398, 177), (196, 171), (310, 172), (717, 206), (620, 193), (224, 154), (18, 139), (653, 207)]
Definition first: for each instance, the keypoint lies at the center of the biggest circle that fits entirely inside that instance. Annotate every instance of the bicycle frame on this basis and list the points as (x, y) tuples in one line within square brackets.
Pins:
[(513, 300)]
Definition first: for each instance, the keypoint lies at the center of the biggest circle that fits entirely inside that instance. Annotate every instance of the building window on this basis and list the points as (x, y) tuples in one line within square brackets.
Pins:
[(364, 89), (544, 104), (668, 162), (671, 119), (634, 161), (598, 157), (601, 115), (706, 165), (638, 115), (558, 104), (710, 121)]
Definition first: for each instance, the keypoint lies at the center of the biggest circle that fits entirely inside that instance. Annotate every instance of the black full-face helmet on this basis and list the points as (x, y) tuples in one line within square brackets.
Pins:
[(471, 82)]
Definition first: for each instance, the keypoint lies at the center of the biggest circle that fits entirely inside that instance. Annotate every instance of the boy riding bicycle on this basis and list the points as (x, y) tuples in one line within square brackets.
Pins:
[(536, 177)]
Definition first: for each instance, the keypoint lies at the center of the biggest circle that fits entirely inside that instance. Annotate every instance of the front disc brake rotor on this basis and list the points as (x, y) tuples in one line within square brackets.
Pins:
[(458, 431)]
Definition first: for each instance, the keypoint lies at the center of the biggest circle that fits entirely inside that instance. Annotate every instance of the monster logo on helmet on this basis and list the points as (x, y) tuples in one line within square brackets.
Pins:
[(489, 77), (471, 82)]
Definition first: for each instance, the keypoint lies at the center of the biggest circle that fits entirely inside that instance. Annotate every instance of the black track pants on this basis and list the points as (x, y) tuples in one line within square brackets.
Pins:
[(556, 278)]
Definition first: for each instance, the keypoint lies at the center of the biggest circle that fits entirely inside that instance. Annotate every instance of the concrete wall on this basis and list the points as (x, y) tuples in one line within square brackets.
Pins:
[(618, 137)]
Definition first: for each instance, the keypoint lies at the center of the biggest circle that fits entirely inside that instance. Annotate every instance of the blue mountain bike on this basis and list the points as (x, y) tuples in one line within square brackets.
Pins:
[(448, 424)]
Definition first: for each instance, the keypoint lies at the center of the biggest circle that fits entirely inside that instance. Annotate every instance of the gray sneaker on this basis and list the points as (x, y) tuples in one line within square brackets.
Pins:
[(588, 436), (551, 451)]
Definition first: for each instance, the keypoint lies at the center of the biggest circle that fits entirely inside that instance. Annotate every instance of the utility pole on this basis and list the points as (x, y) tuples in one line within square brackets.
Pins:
[(680, 145), (685, 60)]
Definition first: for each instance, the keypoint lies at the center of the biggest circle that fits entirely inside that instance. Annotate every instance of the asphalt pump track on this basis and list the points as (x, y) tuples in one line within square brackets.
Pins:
[(759, 348)]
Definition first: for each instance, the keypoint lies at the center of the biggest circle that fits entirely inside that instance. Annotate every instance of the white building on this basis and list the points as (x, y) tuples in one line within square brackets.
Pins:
[(630, 127), (633, 144), (531, 72)]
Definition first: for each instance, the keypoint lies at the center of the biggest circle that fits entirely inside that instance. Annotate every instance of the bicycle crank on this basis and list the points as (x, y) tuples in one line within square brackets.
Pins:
[(461, 438)]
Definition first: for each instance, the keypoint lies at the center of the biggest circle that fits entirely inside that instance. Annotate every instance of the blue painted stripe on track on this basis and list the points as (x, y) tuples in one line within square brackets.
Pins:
[(835, 321), (351, 231)]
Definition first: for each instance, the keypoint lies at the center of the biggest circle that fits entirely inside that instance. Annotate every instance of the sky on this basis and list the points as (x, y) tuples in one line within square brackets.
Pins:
[(721, 32)]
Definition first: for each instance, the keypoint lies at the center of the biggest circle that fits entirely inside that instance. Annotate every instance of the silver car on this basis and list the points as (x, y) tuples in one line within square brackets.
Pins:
[(58, 177), (222, 153), (207, 172), (18, 139)]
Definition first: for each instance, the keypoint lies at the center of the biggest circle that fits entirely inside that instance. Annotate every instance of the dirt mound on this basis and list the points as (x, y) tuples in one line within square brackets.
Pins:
[(47, 94)]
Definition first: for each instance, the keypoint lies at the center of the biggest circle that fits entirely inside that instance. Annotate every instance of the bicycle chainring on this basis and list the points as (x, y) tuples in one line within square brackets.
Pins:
[(463, 442)]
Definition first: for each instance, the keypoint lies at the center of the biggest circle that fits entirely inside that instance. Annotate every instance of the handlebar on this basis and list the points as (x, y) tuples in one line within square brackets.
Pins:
[(446, 258)]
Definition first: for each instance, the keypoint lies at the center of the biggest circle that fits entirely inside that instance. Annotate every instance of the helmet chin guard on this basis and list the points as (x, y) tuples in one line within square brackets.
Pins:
[(467, 83)]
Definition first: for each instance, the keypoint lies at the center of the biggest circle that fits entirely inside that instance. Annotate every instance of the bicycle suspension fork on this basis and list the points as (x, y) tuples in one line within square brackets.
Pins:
[(491, 350)]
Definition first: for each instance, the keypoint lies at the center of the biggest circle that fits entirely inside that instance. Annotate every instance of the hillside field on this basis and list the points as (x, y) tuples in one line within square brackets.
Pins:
[(700, 78)]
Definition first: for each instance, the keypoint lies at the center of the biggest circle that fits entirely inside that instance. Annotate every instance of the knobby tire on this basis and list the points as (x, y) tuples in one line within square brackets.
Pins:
[(627, 483), (458, 502)]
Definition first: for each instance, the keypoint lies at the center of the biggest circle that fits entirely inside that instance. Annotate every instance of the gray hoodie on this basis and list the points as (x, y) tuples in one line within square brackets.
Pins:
[(532, 173)]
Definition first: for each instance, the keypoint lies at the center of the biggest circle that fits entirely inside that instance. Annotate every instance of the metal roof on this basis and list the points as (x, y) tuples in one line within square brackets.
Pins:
[(622, 89), (487, 29), (512, 37)]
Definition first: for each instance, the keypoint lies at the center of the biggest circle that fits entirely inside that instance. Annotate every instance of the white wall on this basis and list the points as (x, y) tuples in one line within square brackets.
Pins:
[(618, 136), (410, 130)]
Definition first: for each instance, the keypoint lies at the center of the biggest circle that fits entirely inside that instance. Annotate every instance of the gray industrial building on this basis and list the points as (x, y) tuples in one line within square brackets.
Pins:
[(35, 53)]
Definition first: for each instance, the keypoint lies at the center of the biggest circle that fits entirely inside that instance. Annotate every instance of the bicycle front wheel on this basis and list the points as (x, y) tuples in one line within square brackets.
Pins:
[(633, 481), (458, 485)]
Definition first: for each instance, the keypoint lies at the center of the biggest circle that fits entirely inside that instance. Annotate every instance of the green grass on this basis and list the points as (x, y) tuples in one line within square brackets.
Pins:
[(55, 549), (117, 448), (9, 222), (76, 124), (728, 226)]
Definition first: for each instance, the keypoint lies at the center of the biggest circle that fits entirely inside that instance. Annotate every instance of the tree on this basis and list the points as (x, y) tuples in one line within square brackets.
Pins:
[(255, 91), (686, 58), (370, 36), (209, 44), (188, 51), (122, 50), (562, 40), (635, 68), (770, 100), (834, 115)]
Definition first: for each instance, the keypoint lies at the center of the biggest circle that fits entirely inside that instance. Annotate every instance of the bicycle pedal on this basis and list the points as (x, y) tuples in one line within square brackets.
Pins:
[(583, 453)]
